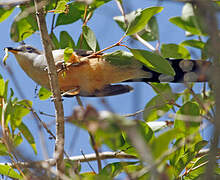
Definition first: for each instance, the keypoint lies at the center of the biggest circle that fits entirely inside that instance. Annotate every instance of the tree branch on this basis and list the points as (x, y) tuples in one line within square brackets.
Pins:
[(59, 145), (207, 12)]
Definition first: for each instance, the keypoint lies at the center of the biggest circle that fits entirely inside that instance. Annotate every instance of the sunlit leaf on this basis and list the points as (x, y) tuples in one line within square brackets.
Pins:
[(9, 171), (20, 109), (141, 19), (174, 51), (61, 6), (44, 93), (148, 33), (68, 53), (28, 136), (153, 61), (193, 43), (5, 13)]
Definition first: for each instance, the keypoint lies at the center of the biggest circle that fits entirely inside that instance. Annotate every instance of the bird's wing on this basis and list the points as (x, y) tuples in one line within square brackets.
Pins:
[(108, 90)]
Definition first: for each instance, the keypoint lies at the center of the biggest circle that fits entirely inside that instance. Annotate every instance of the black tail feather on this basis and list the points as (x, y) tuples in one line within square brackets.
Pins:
[(186, 71)]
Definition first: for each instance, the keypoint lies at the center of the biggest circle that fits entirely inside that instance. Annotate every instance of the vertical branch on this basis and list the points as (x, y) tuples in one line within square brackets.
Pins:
[(207, 12), (59, 145)]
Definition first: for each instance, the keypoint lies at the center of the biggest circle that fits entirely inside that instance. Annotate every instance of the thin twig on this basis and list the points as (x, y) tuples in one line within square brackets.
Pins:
[(95, 148), (145, 43), (133, 114), (87, 162), (59, 145)]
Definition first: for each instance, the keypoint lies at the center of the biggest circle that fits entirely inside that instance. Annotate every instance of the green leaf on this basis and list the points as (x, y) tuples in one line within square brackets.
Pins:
[(2, 86), (114, 169), (3, 149), (151, 30), (68, 53), (23, 28), (44, 94), (188, 118), (161, 88), (9, 171), (149, 33), (55, 41), (189, 21), (66, 40), (61, 7), (28, 136), (5, 13), (153, 61), (158, 106), (20, 109), (141, 19), (174, 51), (89, 37), (75, 12), (193, 43), (82, 44), (120, 58), (17, 140), (160, 144), (178, 21)]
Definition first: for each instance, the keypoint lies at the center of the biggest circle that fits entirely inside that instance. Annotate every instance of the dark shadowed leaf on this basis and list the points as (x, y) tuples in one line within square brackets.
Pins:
[(119, 58), (89, 37), (174, 51), (153, 61), (66, 40), (55, 41), (75, 12), (141, 19)]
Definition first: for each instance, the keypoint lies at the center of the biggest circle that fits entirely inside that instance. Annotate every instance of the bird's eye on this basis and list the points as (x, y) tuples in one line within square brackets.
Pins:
[(29, 49)]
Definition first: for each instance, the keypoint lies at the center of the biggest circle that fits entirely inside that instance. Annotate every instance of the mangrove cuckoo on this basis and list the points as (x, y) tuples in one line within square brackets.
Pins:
[(94, 75)]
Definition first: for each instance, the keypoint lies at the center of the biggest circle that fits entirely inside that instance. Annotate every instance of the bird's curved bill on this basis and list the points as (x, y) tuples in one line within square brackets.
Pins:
[(12, 50)]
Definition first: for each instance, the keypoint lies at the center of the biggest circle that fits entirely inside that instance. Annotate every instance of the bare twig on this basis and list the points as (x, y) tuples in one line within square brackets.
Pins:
[(59, 145), (88, 162), (95, 148), (145, 43)]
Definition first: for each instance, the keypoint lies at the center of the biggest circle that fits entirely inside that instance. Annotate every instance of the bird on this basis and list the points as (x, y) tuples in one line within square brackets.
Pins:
[(98, 76)]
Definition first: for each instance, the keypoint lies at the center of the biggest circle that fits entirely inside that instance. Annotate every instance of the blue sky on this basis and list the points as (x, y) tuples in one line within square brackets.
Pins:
[(107, 32)]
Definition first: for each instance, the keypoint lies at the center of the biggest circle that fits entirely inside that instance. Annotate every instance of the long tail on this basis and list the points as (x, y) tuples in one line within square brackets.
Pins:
[(186, 71)]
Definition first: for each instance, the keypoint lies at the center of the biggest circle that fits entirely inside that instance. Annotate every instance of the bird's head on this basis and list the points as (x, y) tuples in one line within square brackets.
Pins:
[(23, 49)]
